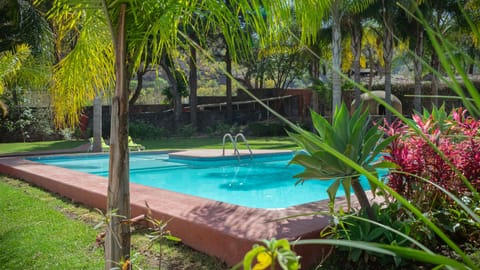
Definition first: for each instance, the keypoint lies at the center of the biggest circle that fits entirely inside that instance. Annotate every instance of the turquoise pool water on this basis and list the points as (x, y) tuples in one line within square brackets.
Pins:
[(261, 182)]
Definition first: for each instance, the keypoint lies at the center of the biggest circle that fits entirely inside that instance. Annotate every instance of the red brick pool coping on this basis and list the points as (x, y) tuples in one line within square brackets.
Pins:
[(219, 229)]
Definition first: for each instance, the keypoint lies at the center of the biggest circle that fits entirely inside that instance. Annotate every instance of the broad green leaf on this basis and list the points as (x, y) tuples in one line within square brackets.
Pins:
[(305, 160), (332, 190), (381, 146), (375, 233), (347, 184), (320, 124)]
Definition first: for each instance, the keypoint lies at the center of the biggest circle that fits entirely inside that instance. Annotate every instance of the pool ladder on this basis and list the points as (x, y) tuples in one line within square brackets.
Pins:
[(234, 141)]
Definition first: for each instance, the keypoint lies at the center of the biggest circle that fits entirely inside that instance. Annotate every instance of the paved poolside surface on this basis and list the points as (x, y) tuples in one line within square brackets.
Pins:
[(219, 229)]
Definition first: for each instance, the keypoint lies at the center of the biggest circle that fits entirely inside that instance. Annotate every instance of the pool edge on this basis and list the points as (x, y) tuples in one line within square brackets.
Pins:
[(218, 229)]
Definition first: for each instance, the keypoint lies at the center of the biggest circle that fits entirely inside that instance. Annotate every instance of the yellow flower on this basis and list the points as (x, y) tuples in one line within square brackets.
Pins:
[(264, 260)]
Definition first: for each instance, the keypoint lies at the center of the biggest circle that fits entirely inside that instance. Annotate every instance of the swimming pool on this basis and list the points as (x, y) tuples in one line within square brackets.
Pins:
[(265, 181)]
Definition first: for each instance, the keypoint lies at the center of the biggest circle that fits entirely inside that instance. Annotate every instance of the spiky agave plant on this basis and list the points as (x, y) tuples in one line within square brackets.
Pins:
[(351, 135)]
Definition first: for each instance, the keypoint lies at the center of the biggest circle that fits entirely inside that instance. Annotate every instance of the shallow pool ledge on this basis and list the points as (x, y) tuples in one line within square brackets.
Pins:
[(219, 229), (215, 154)]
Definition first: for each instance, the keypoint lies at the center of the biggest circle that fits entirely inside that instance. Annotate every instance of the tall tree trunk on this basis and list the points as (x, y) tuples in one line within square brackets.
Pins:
[(97, 123), (138, 89), (357, 51), (387, 58), (169, 69), (435, 66), (418, 67), (315, 73), (228, 63), (337, 56), (192, 81), (370, 65), (117, 242)]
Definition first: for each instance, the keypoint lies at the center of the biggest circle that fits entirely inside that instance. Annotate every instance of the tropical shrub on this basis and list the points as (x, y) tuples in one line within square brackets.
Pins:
[(357, 227), (451, 255), (420, 168), (267, 128), (221, 128), (143, 130), (25, 124), (186, 131), (456, 135)]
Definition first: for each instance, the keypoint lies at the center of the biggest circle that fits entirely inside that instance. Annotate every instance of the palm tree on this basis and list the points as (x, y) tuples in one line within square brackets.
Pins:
[(385, 13), (313, 14), (26, 51), (127, 33), (417, 39), (10, 65), (442, 17), (355, 24)]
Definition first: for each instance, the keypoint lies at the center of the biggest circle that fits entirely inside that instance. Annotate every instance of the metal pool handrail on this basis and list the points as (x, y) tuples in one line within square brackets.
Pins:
[(228, 135), (234, 141), (245, 141)]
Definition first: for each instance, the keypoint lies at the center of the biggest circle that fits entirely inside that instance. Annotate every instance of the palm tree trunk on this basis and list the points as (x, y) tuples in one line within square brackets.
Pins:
[(228, 63), (435, 66), (370, 65), (337, 56), (357, 51), (97, 123), (387, 58), (192, 81), (117, 242), (418, 68), (315, 73)]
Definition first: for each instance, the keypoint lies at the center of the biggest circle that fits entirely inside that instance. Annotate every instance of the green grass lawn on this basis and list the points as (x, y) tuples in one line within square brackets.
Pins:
[(39, 230), (157, 144), (20, 147), (34, 234)]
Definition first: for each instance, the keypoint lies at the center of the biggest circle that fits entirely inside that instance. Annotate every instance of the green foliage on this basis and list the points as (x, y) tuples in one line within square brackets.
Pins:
[(11, 64), (152, 90), (158, 233), (267, 128), (211, 87), (324, 90), (145, 130), (186, 130), (459, 224), (358, 227), (220, 129), (182, 87), (24, 123), (269, 253), (350, 136)]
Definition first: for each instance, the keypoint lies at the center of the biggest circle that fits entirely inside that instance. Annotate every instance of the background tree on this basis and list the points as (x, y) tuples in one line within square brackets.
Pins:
[(26, 55), (313, 14)]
